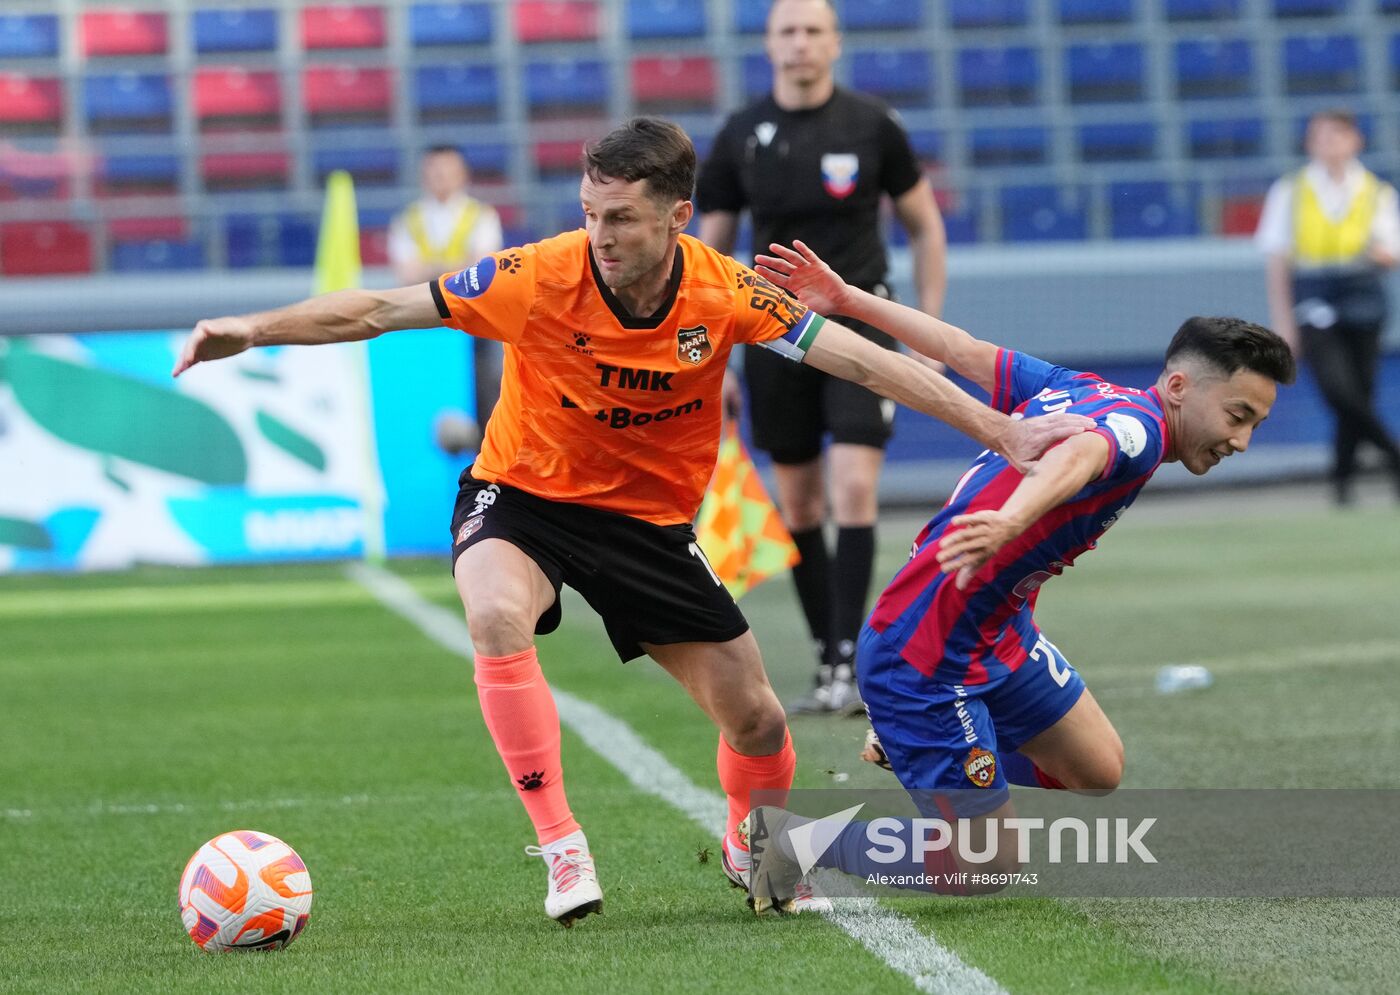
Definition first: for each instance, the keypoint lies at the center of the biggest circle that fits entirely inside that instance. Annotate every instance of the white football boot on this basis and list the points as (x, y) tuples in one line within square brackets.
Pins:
[(573, 880), (737, 864)]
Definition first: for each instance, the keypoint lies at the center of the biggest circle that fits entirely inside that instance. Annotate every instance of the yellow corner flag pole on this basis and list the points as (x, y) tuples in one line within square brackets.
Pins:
[(738, 527), (338, 268)]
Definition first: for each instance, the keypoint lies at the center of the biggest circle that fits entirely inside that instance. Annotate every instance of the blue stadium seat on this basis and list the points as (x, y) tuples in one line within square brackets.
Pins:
[(927, 144), (757, 75), (1095, 11), (1225, 138), (665, 19), (1043, 213), (750, 18), (566, 86), (28, 36), (1394, 51), (962, 216), (1321, 64), (128, 102), (488, 160), (1389, 6), (1202, 10), (456, 92), (432, 24), (1309, 8), (378, 166), (998, 76), (1023, 146), (235, 30), (1118, 141), (123, 173), (1153, 209), (1105, 72), (1214, 67), (269, 240), (881, 15), (989, 13), (904, 78), (166, 254)]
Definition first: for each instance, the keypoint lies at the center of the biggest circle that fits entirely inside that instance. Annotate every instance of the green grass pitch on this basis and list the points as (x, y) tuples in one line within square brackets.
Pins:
[(144, 713)]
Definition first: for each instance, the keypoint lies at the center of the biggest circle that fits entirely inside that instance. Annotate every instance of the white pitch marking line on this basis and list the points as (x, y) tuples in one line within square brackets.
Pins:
[(887, 934)]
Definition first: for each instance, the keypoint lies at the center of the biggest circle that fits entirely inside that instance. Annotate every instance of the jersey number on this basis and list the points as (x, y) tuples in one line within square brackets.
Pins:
[(1045, 650)]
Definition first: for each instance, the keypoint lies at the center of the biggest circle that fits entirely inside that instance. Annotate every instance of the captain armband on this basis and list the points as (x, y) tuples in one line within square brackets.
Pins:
[(799, 337)]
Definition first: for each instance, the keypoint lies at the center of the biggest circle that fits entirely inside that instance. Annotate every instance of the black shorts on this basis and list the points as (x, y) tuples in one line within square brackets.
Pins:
[(793, 406), (650, 583)]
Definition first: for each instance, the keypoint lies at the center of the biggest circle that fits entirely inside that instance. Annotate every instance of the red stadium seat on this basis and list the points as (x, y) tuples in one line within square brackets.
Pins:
[(343, 94), (245, 170), (556, 20), (235, 98), (668, 84), (30, 103), (342, 27), (374, 246), (1240, 215), (554, 158), (39, 248), (123, 32)]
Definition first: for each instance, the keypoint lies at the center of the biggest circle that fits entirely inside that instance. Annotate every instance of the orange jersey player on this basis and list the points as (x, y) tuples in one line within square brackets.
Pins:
[(596, 458)]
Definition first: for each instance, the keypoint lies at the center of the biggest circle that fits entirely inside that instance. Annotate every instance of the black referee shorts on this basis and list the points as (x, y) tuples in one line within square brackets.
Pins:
[(793, 406), (650, 583)]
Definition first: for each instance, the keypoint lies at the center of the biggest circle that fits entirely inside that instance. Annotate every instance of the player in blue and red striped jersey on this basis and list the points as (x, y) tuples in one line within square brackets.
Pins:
[(964, 692)]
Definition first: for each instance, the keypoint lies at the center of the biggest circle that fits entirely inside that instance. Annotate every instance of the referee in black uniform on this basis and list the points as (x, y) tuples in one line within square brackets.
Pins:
[(811, 161)]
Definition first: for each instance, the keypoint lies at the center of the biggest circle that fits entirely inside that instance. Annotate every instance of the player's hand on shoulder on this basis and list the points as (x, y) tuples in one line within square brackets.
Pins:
[(1028, 438), (214, 338), (972, 540), (802, 273)]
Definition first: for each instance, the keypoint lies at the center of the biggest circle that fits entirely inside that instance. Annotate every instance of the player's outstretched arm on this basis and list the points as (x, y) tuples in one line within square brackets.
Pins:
[(802, 273), (976, 537), (842, 353), (342, 316)]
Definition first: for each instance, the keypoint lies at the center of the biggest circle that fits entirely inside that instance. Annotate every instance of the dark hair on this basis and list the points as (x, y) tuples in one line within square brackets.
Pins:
[(645, 148), (1337, 115), (1230, 344), (442, 148)]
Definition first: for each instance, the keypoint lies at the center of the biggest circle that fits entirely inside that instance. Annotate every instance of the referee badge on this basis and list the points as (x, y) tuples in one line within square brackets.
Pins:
[(840, 170), (693, 345)]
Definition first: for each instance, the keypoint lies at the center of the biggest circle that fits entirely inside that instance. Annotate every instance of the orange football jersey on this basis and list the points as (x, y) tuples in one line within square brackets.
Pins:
[(601, 408)]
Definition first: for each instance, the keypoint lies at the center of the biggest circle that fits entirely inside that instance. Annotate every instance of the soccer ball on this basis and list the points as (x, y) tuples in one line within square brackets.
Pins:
[(245, 891)]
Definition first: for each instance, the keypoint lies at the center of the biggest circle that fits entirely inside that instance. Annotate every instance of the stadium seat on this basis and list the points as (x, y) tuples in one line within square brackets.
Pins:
[(269, 240), (162, 254), (1240, 215), (30, 104), (989, 77), (434, 24), (28, 36), (1321, 64), (962, 215), (881, 15), (1118, 141), (1043, 213), (757, 75), (140, 174), (1202, 10), (674, 84), (1105, 72), (901, 77), (488, 160), (566, 87), (42, 248), (1394, 59), (927, 144), (1023, 146), (122, 32), (234, 99), (245, 171), (1095, 11), (1309, 8), (750, 18), (235, 30), (556, 159), (1152, 209), (456, 92), (556, 20), (30, 187), (338, 26), (665, 19), (1214, 67), (1225, 138), (369, 167), (128, 102), (147, 229), (989, 13), (336, 95), (1389, 6)]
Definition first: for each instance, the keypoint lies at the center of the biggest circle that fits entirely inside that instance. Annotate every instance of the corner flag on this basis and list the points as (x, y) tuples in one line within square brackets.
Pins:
[(738, 527)]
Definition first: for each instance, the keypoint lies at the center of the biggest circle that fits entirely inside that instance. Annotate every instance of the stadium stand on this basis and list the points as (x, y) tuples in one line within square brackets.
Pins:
[(28, 36), (456, 92), (901, 77), (1201, 10), (235, 30), (342, 27), (989, 13), (436, 24), (30, 104), (1213, 67), (33, 248), (1118, 141), (998, 77), (122, 32), (137, 174), (665, 19), (124, 103), (1105, 72), (1095, 11), (882, 15), (1018, 146), (1321, 64), (347, 94), (1044, 213), (236, 99), (1153, 209), (671, 84), (556, 20), (566, 87)]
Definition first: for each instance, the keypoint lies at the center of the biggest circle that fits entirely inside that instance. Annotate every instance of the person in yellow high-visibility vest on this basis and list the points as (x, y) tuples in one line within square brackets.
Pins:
[(448, 229), (1330, 231)]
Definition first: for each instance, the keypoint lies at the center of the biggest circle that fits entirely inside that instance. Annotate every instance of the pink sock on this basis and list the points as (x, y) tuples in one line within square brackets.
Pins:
[(524, 722), (739, 775)]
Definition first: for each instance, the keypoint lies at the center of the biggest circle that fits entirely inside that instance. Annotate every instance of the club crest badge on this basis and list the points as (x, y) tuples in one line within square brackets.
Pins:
[(840, 171), (469, 528), (693, 345), (980, 767)]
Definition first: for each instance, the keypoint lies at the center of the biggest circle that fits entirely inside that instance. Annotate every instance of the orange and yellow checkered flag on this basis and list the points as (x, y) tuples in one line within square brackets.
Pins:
[(738, 527)]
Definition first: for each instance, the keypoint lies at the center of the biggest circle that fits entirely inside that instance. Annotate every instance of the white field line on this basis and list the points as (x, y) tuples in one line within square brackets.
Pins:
[(887, 934)]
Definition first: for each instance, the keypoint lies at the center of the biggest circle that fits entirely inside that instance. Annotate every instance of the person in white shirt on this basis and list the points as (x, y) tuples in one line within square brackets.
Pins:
[(1330, 231), (446, 230)]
